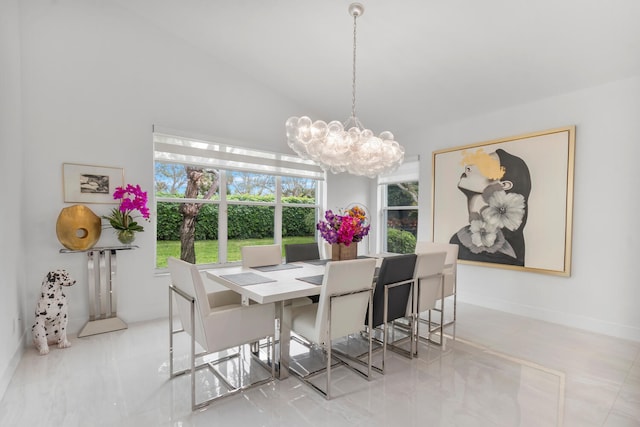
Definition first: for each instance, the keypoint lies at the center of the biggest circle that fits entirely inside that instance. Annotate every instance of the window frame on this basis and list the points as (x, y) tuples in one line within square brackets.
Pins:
[(408, 172), (278, 171)]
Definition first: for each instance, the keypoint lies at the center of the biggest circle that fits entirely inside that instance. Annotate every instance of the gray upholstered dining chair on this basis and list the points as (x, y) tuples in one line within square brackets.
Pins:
[(217, 321), (345, 297), (450, 273), (301, 252), (392, 296), (428, 287)]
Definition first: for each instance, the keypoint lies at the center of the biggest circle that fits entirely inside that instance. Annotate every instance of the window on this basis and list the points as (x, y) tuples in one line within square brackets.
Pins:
[(300, 210), (211, 199), (398, 193)]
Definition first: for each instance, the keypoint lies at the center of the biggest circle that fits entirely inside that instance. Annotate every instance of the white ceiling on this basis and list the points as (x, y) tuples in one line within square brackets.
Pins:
[(419, 62)]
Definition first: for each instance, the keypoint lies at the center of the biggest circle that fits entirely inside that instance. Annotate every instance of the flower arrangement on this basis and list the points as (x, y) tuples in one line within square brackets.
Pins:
[(132, 198), (347, 228)]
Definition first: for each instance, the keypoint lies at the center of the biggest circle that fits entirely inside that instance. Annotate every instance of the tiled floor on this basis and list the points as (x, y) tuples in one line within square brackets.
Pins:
[(497, 369)]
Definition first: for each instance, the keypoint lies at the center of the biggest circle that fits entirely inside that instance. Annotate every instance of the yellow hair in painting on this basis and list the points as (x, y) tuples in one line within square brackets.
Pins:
[(487, 165)]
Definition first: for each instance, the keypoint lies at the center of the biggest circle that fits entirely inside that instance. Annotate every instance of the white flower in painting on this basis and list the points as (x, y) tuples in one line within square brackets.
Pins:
[(504, 210), (483, 234)]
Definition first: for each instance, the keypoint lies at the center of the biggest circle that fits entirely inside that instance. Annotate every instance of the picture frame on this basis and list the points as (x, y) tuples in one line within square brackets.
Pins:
[(507, 203), (90, 184)]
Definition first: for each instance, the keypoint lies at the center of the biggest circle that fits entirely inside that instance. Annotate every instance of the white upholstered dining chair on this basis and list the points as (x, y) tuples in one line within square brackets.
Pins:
[(345, 296), (216, 322), (327, 249), (449, 273), (261, 255), (428, 286)]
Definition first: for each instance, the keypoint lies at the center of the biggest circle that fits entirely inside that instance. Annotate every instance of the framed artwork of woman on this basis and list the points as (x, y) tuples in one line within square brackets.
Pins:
[(507, 203)]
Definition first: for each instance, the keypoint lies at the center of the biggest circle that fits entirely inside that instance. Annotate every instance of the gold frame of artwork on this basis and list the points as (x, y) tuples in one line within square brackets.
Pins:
[(90, 184), (541, 243)]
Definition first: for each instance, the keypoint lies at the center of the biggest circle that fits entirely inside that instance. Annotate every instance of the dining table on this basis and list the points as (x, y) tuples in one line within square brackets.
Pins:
[(281, 284)]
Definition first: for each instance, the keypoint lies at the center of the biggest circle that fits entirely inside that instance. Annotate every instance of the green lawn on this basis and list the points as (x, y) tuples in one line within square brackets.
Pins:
[(207, 250)]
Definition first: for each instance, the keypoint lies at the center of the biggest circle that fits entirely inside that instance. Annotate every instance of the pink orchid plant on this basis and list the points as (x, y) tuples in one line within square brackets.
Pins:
[(132, 199)]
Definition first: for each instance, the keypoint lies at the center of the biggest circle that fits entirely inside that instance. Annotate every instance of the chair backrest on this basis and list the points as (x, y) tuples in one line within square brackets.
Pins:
[(450, 248), (186, 277), (347, 312), (259, 256), (327, 250), (450, 264), (393, 269), (428, 278), (301, 252)]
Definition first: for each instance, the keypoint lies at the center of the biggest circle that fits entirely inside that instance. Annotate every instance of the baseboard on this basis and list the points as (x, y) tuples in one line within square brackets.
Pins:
[(7, 375), (566, 319)]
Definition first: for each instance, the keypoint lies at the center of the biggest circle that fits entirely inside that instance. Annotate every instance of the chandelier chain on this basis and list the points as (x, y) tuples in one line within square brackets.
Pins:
[(353, 78)]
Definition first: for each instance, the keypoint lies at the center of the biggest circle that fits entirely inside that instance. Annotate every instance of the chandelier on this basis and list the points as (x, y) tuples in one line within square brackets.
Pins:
[(345, 147)]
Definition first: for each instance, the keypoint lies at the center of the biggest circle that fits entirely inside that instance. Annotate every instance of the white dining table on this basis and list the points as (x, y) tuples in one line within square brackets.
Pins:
[(282, 288)]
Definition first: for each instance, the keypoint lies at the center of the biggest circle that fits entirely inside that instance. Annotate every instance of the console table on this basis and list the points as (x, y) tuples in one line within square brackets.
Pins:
[(101, 269)]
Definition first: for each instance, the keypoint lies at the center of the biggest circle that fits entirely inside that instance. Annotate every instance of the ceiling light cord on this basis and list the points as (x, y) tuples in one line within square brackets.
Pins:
[(353, 77)]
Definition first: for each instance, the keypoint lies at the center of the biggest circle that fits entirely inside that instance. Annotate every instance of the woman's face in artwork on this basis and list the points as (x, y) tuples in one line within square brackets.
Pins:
[(473, 180)]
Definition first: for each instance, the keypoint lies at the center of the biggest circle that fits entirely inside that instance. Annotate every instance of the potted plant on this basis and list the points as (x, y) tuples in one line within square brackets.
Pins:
[(132, 199)]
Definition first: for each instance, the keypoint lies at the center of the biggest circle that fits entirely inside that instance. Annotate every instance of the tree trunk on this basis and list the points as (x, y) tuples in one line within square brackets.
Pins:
[(190, 212), (188, 237)]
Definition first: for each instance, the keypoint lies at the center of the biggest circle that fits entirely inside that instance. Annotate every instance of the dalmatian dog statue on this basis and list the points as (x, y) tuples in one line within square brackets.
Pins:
[(51, 312)]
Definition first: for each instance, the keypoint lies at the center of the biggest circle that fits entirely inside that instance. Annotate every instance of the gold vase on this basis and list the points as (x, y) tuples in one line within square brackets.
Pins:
[(78, 228), (341, 252)]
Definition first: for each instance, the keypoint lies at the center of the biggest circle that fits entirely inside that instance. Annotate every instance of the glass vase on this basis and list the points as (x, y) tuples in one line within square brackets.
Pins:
[(126, 237)]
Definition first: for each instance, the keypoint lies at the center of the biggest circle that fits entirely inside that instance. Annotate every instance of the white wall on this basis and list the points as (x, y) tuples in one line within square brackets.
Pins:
[(602, 293), (96, 78), (12, 319)]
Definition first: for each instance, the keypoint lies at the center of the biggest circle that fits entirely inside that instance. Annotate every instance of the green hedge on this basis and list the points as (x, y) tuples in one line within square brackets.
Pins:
[(400, 242), (243, 222)]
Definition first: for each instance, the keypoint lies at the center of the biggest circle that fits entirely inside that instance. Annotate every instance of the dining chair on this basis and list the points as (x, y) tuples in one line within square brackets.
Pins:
[(391, 298), (327, 250), (261, 255), (217, 322), (450, 274), (301, 252), (345, 297), (428, 286)]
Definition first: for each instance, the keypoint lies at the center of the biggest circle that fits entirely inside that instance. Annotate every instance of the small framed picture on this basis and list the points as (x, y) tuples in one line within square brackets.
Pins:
[(90, 184)]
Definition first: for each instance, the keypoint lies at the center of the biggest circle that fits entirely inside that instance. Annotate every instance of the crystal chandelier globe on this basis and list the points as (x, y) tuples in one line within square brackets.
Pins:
[(345, 147)]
